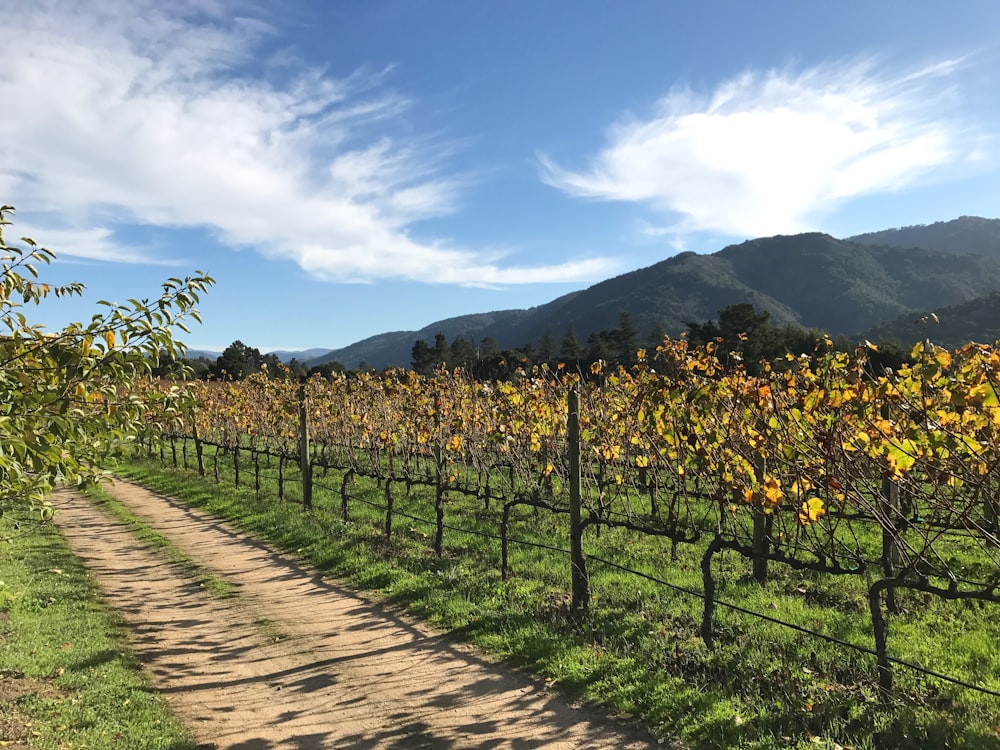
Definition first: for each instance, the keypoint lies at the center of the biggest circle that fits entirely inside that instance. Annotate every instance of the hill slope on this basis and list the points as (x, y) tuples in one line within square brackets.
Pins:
[(811, 280), (976, 320), (962, 236)]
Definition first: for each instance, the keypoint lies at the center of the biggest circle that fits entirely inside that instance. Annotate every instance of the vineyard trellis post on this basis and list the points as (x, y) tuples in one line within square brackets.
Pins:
[(199, 448), (438, 478), (890, 543), (762, 526), (581, 582), (762, 523), (305, 463)]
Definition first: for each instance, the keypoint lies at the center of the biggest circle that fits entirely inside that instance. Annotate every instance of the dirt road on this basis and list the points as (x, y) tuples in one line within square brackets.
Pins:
[(295, 661)]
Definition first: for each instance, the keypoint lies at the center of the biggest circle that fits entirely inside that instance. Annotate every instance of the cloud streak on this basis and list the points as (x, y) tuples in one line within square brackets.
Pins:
[(127, 112), (767, 153)]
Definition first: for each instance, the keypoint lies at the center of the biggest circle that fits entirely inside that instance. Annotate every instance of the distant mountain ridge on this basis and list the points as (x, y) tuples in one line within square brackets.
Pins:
[(302, 356), (976, 320), (810, 280), (285, 356), (962, 236), (202, 354)]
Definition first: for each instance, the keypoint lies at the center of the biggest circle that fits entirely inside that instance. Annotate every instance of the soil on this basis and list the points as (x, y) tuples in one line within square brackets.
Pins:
[(15, 727), (295, 661)]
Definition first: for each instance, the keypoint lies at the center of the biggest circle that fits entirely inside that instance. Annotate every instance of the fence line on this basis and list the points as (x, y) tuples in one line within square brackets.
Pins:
[(711, 601)]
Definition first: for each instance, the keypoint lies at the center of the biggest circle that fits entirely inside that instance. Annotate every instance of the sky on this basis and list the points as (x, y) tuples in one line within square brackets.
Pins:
[(343, 169)]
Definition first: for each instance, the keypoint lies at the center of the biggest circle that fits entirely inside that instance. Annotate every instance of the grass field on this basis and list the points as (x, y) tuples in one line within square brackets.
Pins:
[(638, 650), (67, 679)]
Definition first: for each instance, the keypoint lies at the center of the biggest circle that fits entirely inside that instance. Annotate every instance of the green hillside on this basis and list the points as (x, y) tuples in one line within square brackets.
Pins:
[(812, 280), (976, 320), (962, 236)]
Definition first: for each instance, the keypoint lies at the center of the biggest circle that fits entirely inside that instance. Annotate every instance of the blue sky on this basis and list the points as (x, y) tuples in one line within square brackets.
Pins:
[(349, 168)]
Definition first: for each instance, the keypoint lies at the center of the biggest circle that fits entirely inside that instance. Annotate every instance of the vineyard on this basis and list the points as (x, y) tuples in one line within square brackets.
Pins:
[(818, 466)]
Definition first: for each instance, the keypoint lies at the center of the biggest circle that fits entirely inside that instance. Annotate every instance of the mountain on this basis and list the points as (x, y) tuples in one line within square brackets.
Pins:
[(962, 236), (202, 354), (394, 348), (975, 320), (302, 356), (810, 280)]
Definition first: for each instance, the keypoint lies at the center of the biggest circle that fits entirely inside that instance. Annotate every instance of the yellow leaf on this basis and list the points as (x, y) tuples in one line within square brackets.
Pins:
[(772, 490), (899, 461), (109, 339), (811, 511)]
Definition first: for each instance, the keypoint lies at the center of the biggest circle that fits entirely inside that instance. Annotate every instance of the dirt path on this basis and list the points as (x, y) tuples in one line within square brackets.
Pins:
[(294, 661)]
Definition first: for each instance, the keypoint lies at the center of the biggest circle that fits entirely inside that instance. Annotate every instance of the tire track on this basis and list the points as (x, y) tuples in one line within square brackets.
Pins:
[(294, 661)]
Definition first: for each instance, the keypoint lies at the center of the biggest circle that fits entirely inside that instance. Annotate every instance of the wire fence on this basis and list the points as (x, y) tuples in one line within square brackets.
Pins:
[(391, 511)]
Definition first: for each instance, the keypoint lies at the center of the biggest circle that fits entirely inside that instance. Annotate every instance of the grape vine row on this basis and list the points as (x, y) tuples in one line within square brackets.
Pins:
[(791, 466)]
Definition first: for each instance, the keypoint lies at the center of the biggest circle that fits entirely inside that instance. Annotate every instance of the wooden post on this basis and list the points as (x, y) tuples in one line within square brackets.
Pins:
[(343, 494), (438, 480), (762, 523), (256, 472), (505, 542), (199, 449), (388, 508), (581, 582), (305, 463), (761, 542), (890, 544)]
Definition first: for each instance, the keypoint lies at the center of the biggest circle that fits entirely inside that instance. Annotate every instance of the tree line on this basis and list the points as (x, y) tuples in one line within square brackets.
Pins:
[(746, 336), (237, 362)]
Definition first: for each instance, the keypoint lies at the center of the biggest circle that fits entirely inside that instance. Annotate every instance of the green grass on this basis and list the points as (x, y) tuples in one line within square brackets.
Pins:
[(213, 584), (67, 680), (638, 650)]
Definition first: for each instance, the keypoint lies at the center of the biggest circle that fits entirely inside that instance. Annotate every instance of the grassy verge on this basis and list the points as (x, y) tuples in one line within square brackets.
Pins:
[(638, 652), (66, 678), (213, 584)]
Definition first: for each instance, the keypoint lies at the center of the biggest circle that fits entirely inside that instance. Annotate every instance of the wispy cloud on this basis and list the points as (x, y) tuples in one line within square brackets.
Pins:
[(768, 152), (95, 244), (164, 114)]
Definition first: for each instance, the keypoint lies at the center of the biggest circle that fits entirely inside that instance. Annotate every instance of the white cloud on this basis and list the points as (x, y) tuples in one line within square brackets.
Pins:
[(766, 153), (96, 243), (160, 114)]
